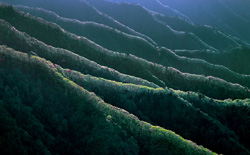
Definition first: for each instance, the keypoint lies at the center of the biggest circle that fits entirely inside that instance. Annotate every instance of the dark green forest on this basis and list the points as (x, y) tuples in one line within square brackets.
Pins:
[(47, 113), (122, 77)]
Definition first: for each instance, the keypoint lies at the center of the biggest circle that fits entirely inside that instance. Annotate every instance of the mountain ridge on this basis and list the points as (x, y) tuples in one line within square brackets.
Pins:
[(74, 81), (147, 70), (8, 54)]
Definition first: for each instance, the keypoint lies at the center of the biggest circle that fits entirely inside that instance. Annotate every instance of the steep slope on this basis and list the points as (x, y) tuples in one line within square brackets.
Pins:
[(223, 112), (142, 21), (43, 71), (229, 16), (44, 121), (201, 67), (121, 42), (209, 35), (105, 36), (65, 94), (237, 59), (174, 113), (23, 42), (128, 64), (156, 6), (160, 56), (80, 10)]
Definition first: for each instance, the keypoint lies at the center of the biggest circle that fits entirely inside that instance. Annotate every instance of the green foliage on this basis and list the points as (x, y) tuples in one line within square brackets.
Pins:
[(126, 64), (210, 35), (43, 112), (65, 58), (65, 114), (166, 108), (163, 56), (105, 36), (162, 34), (223, 112), (236, 59)]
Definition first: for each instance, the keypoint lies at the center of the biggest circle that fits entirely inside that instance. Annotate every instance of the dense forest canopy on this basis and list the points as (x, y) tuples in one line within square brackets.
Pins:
[(124, 77)]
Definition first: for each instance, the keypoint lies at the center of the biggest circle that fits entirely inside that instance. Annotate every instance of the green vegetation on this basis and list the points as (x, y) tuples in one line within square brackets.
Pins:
[(23, 42), (80, 10), (105, 36), (43, 121), (119, 92), (127, 64), (236, 59), (229, 16), (140, 48), (210, 35), (223, 112), (165, 108), (142, 21)]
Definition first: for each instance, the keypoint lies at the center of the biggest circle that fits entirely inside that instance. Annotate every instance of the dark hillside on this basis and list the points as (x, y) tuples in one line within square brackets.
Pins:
[(143, 21), (23, 42), (179, 22), (83, 77), (174, 112), (105, 36), (43, 121), (120, 42), (237, 59), (230, 16), (208, 34), (223, 112), (86, 48), (94, 109), (80, 10), (156, 6), (152, 72)]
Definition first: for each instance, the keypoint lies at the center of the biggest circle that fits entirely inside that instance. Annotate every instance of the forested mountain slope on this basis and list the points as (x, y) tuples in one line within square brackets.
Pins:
[(142, 21), (80, 10), (74, 80), (105, 36), (209, 35), (151, 104), (144, 50), (152, 72), (237, 58), (228, 15), (156, 6), (57, 124)]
